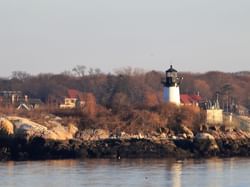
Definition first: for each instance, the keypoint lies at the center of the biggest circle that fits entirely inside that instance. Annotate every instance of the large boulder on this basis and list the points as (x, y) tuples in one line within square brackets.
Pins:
[(27, 129), (6, 127), (60, 132), (64, 133), (206, 144)]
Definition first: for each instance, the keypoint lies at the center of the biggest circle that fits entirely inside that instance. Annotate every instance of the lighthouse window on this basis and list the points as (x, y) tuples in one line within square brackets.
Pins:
[(172, 74)]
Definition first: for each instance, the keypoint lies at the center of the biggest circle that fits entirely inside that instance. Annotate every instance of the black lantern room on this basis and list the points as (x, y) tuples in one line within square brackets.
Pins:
[(172, 78)]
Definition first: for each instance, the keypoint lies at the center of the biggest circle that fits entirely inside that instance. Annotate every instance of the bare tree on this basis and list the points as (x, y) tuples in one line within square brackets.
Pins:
[(91, 71), (20, 75), (79, 70), (124, 71), (98, 71)]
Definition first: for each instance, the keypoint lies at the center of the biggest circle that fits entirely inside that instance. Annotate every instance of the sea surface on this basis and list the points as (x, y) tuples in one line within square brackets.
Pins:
[(128, 172)]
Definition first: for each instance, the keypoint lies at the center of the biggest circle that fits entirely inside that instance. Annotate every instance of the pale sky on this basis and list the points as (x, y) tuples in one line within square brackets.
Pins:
[(193, 35)]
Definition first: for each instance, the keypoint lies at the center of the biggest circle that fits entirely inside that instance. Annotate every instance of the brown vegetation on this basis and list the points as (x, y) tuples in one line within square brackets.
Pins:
[(146, 121), (130, 87), (129, 100)]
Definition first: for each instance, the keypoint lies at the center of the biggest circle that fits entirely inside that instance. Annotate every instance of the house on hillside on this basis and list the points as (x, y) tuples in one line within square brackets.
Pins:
[(9, 98), (18, 100), (74, 99), (29, 104)]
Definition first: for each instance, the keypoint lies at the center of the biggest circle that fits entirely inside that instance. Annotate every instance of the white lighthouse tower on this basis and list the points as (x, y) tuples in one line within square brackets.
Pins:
[(171, 92)]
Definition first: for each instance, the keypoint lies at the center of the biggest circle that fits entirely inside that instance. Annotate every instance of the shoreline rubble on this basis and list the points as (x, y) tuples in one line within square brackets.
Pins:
[(21, 139)]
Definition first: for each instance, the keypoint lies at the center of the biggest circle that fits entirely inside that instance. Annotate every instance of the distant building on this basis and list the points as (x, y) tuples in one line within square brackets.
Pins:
[(28, 104), (214, 113), (69, 103), (74, 99), (10, 97), (214, 116), (18, 100)]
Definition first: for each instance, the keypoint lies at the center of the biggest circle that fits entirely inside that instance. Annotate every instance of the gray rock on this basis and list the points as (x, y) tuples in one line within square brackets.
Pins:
[(206, 143), (28, 129)]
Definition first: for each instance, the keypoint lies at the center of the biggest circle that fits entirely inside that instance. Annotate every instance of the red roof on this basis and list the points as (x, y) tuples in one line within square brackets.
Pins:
[(196, 98), (72, 93), (185, 99), (190, 99)]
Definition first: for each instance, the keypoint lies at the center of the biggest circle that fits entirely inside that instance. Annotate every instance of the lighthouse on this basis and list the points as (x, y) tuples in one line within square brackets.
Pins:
[(171, 91)]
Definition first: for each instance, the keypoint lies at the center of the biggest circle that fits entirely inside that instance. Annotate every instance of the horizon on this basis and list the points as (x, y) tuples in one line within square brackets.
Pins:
[(116, 72)]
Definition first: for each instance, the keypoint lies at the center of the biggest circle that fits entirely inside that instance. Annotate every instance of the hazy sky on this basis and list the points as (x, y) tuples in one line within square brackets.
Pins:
[(193, 35)]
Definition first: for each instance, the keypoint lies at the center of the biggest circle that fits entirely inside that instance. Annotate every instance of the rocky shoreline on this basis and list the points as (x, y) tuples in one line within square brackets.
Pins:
[(21, 139), (203, 145)]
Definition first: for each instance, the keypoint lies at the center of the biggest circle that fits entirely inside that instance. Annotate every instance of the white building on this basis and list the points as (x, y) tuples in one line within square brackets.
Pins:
[(73, 100), (69, 103)]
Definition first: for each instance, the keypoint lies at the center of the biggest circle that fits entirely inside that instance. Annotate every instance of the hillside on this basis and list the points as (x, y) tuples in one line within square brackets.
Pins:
[(131, 88)]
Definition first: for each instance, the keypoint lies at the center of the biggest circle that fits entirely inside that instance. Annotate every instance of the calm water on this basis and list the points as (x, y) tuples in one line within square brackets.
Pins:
[(135, 173)]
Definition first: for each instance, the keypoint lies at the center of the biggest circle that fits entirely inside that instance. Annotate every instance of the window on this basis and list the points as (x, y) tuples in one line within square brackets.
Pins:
[(172, 74)]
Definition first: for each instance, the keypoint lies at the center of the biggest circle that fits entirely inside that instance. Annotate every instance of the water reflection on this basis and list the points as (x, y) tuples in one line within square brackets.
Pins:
[(176, 172), (130, 172)]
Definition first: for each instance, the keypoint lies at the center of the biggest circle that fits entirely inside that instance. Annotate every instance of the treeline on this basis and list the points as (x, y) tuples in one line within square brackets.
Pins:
[(129, 87)]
